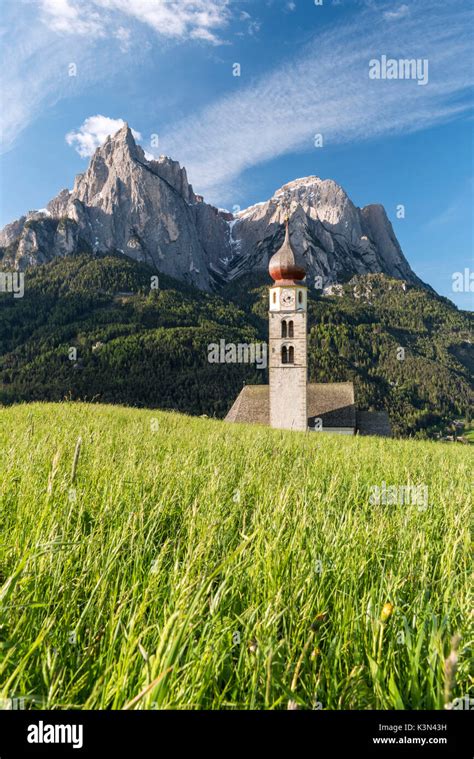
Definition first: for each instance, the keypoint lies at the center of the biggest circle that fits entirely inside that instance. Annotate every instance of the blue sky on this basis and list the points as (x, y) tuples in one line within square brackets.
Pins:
[(167, 68)]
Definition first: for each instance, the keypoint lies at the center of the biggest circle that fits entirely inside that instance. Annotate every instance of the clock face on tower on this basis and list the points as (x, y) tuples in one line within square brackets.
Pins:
[(288, 298)]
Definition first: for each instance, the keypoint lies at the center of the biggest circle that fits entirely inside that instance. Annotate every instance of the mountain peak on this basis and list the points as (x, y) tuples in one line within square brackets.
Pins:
[(146, 209), (122, 141), (124, 134), (308, 181)]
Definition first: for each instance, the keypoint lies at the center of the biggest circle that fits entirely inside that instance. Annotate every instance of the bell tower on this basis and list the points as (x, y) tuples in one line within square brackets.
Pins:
[(287, 318)]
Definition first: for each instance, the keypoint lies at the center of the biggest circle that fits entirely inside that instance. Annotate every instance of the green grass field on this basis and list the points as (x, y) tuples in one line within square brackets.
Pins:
[(469, 435), (172, 562)]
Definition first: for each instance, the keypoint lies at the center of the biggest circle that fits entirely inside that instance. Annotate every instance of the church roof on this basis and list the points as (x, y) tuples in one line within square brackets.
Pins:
[(333, 402), (252, 406)]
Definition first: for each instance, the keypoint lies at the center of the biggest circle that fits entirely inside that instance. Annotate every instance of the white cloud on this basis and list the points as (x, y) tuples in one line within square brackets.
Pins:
[(67, 16), (44, 36), (252, 25), (400, 12), (326, 89), (124, 37), (93, 133), (180, 19), (34, 72)]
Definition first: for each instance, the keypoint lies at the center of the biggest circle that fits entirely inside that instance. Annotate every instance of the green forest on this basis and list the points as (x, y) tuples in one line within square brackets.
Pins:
[(94, 328)]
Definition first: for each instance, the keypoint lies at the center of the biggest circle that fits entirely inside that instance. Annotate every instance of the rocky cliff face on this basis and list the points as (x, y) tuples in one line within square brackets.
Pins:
[(332, 238), (147, 210)]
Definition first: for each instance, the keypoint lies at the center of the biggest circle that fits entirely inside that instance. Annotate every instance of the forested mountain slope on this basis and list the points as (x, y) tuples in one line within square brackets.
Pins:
[(149, 347)]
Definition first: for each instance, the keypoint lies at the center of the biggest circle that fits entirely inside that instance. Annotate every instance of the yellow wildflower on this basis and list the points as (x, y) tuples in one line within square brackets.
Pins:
[(386, 612)]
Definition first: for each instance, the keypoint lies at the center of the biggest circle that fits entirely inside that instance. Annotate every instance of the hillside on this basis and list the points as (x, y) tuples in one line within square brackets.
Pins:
[(151, 560), (144, 347)]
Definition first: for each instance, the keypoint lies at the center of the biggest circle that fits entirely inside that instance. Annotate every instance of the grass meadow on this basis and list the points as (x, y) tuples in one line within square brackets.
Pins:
[(153, 560)]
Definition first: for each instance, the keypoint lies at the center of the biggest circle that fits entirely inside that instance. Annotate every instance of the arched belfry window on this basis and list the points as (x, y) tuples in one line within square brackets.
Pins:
[(300, 297), (291, 332), (287, 354), (284, 330), (274, 297)]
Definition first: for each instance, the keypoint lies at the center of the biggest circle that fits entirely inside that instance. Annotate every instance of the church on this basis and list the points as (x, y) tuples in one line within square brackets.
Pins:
[(289, 401)]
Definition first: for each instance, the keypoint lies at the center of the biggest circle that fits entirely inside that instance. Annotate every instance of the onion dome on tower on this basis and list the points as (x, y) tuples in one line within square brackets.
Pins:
[(282, 266)]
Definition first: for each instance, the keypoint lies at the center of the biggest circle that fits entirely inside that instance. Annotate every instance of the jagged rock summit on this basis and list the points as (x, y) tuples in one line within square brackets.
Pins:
[(334, 239), (123, 202), (146, 209)]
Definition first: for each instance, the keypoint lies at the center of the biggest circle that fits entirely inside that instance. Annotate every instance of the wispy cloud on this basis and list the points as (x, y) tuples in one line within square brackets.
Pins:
[(68, 17), (182, 19), (34, 71), (327, 91), (93, 132), (40, 38), (457, 210), (400, 12)]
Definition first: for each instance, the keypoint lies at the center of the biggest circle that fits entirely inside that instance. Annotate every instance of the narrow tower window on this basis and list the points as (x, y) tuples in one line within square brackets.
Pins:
[(274, 297), (291, 355), (290, 330), (284, 355), (300, 297), (283, 329)]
